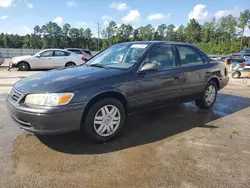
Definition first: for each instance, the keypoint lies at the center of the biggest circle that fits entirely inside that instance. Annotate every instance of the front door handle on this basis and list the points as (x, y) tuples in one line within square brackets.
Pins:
[(180, 76)]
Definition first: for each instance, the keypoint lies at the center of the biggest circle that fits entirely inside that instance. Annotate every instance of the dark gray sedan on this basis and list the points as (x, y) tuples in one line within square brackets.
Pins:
[(126, 78)]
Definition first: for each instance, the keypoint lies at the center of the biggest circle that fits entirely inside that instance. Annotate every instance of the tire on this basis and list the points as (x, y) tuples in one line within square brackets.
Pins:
[(23, 66), (203, 102), (100, 131), (236, 74), (70, 64)]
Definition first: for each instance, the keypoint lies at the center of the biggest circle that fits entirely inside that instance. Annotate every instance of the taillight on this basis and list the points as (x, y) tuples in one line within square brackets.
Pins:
[(83, 59)]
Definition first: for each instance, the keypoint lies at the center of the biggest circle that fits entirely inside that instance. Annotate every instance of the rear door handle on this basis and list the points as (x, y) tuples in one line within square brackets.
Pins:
[(176, 77)]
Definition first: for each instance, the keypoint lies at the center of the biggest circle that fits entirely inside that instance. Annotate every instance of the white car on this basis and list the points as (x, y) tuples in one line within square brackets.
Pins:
[(47, 59)]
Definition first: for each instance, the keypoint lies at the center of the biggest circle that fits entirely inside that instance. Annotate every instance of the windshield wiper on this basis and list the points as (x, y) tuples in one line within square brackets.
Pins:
[(98, 65)]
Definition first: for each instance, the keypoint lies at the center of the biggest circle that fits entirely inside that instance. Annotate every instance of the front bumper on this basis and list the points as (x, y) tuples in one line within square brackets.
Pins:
[(60, 121), (12, 65)]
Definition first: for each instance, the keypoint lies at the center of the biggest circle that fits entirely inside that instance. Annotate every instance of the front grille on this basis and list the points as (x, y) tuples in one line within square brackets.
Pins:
[(15, 95)]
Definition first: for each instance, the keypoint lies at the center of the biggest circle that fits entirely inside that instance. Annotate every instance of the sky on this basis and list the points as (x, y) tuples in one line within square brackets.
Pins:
[(21, 16)]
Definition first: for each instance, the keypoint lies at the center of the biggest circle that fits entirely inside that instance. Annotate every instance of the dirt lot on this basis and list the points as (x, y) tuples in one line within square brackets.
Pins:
[(180, 146)]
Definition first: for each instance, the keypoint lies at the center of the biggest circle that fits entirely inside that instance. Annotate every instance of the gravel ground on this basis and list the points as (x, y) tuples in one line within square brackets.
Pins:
[(180, 146)]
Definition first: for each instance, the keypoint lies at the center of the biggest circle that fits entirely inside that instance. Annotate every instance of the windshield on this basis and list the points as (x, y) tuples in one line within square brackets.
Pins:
[(121, 56)]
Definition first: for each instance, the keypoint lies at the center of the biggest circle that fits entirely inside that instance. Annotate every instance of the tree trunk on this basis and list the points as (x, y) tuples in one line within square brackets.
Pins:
[(249, 43), (242, 38)]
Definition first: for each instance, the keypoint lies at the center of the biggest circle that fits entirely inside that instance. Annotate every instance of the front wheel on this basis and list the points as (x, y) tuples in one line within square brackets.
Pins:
[(23, 66), (208, 97), (104, 119)]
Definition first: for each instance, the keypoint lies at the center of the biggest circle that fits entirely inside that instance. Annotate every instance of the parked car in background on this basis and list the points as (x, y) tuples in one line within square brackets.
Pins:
[(86, 53), (245, 51), (1, 59), (47, 59), (126, 78)]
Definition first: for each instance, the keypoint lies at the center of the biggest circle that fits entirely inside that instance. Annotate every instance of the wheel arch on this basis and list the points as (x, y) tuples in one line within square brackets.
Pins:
[(216, 80), (69, 62), (24, 61), (107, 94)]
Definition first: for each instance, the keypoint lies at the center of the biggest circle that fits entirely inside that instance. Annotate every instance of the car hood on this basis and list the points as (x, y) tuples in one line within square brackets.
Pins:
[(19, 58), (64, 79)]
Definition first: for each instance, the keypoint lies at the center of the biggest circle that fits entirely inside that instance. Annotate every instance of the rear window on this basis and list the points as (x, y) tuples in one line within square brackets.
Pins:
[(87, 51), (75, 51)]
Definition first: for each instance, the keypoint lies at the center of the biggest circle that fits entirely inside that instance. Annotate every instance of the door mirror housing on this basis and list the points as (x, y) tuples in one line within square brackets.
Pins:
[(38, 55), (149, 67)]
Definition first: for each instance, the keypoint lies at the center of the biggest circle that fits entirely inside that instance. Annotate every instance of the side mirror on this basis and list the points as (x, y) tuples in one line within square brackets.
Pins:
[(149, 67), (38, 56)]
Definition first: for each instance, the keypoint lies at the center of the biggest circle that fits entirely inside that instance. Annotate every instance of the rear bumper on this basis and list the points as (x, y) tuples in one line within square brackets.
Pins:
[(46, 123), (224, 82)]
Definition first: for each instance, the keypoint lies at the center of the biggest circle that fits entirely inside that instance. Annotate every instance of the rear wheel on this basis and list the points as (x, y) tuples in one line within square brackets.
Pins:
[(208, 97), (104, 119), (23, 66), (236, 74), (70, 64)]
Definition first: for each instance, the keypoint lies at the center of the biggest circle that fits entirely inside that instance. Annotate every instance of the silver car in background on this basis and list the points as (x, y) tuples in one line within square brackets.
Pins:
[(1, 59), (47, 59)]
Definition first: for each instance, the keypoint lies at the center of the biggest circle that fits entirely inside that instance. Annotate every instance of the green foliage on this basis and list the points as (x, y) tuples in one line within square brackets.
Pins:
[(214, 37)]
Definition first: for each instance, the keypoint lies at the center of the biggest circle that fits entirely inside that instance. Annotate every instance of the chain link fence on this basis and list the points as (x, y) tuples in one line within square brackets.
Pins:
[(13, 52)]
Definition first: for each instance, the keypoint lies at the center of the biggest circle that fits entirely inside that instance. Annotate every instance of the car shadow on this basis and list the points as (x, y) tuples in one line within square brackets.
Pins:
[(149, 127)]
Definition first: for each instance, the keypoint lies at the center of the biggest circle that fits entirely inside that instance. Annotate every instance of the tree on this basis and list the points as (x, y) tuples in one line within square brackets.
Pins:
[(214, 37), (161, 31), (136, 36), (227, 28), (170, 33), (88, 34), (180, 34), (37, 30), (244, 20), (192, 31), (2, 40), (146, 32), (26, 43), (124, 33), (66, 40), (74, 35), (6, 41)]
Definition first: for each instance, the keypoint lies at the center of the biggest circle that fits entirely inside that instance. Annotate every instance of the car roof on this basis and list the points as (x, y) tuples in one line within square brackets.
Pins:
[(155, 42), (76, 49), (54, 49)]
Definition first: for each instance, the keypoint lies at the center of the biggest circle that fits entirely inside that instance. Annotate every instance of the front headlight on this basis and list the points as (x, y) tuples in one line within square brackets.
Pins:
[(13, 60), (50, 99)]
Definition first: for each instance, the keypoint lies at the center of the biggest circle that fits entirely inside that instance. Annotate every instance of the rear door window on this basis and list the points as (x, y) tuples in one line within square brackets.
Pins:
[(59, 53), (189, 56)]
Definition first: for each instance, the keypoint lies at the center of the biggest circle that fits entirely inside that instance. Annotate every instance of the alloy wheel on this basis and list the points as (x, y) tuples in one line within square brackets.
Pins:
[(107, 120), (23, 66), (210, 95)]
